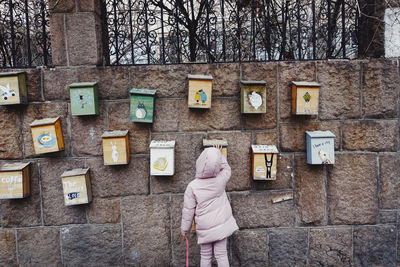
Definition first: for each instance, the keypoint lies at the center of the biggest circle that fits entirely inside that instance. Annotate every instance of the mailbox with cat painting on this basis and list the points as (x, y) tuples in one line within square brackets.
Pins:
[(253, 94), (162, 158), (213, 142), (76, 187), (200, 90), (84, 98), (14, 180), (320, 147), (305, 98), (47, 135), (142, 105), (13, 88), (115, 147), (265, 160)]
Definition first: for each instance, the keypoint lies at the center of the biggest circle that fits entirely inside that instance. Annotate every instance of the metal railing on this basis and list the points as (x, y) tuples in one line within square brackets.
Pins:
[(179, 31)]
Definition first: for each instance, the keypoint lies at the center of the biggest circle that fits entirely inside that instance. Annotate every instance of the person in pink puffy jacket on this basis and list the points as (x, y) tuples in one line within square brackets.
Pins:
[(206, 200)]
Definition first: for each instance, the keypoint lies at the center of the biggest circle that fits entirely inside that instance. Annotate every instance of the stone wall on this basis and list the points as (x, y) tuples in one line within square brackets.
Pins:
[(346, 214)]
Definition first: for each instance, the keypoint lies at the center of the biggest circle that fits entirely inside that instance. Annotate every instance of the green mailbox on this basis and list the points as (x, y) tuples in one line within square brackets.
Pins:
[(142, 105), (84, 98)]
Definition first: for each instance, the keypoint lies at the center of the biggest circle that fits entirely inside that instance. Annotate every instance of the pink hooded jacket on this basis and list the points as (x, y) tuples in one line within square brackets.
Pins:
[(206, 199)]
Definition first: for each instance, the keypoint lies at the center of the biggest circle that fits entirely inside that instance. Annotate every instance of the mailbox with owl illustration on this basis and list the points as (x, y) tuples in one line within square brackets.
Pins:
[(84, 98), (305, 98), (13, 88), (115, 147), (142, 105), (14, 181), (265, 160), (253, 96), (76, 187), (213, 142), (200, 90), (320, 147), (47, 135), (162, 159)]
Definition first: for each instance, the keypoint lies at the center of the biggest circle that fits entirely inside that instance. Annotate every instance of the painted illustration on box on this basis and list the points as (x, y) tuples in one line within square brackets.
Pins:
[(307, 106), (141, 109), (265, 166), (82, 99), (7, 91), (307, 102), (11, 185), (253, 97), (161, 164), (162, 158), (200, 92), (325, 157), (200, 96), (75, 190), (114, 153), (46, 140), (255, 100)]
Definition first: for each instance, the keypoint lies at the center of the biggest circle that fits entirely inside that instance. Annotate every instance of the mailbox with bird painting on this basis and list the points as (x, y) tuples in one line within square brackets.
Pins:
[(162, 158), (305, 98), (47, 135), (14, 180), (115, 147), (76, 187), (84, 98), (13, 89), (253, 94), (213, 142), (264, 163), (320, 147), (142, 105), (200, 90)]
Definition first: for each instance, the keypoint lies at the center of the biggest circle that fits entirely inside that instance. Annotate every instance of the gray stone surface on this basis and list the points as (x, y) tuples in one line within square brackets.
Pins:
[(92, 245), (167, 115), (57, 35), (386, 217), (390, 180), (266, 138), (10, 135), (8, 255), (56, 82), (104, 210), (250, 248)]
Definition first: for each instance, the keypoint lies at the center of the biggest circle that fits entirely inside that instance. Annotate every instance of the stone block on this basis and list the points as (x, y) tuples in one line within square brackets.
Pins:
[(223, 115), (387, 217), (330, 247), (41, 111), (340, 93), (169, 80), (371, 135), (8, 255), (89, 6), (310, 193), (226, 77), (57, 35), (86, 132), (104, 210), (178, 241), (147, 226), (250, 248), (266, 138), (353, 199), (10, 134), (187, 149), (61, 6), (287, 247), (123, 180), (374, 245), (239, 158), (380, 88), (167, 115), (283, 176), (390, 184), (92, 245), (139, 133), (293, 136), (24, 212), (54, 211), (113, 82), (39, 247), (256, 210), (56, 83), (288, 72)]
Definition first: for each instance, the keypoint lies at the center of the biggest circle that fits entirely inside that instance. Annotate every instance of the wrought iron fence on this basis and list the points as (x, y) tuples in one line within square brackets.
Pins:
[(177, 31), (24, 33)]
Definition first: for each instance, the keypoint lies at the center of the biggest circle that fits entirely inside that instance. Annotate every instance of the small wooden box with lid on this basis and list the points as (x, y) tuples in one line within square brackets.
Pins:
[(76, 187), (115, 147), (200, 90), (84, 98), (14, 180), (162, 158), (305, 98), (142, 105), (13, 89), (47, 135), (254, 96), (264, 163)]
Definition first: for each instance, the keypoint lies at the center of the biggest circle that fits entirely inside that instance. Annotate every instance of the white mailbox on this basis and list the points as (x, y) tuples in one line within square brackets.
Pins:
[(320, 147), (162, 159)]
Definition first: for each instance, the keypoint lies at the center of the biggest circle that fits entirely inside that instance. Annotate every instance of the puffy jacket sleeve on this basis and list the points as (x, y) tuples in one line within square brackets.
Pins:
[(225, 172), (189, 207)]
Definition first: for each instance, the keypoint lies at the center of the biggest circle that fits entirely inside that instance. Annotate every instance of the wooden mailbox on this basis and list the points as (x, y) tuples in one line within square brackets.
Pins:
[(162, 158), (253, 94), (84, 98), (14, 181), (76, 187), (200, 90), (13, 89), (142, 105), (320, 147), (212, 142), (305, 98), (47, 135), (115, 147), (265, 160)]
